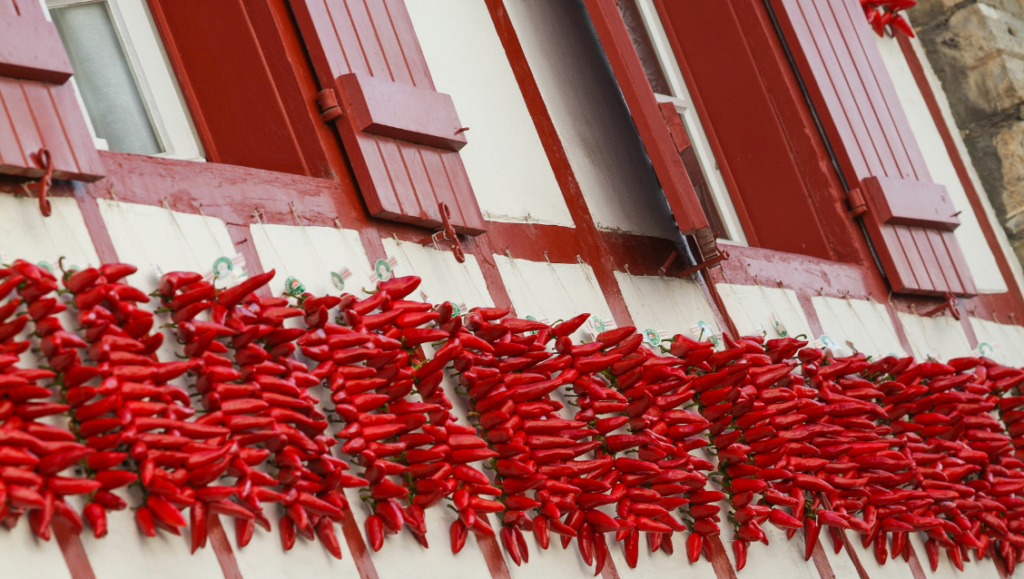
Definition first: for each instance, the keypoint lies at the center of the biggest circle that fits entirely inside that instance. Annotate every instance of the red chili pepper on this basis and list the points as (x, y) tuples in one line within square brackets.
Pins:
[(570, 326), (739, 548), (458, 533), (632, 548), (230, 297), (147, 523), (811, 531), (97, 519)]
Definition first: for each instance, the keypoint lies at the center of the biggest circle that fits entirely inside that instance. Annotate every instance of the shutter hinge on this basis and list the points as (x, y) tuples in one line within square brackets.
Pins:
[(858, 206), (707, 241), (328, 101)]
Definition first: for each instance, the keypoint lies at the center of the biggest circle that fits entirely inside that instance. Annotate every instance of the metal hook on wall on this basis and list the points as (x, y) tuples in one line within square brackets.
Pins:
[(949, 302), (45, 161), (448, 233)]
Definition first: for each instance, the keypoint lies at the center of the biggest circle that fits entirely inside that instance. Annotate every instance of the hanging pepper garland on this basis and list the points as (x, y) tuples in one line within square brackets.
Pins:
[(882, 13), (797, 438)]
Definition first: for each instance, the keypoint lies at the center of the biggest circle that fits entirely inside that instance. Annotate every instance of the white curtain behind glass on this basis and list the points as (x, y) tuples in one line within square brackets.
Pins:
[(105, 79)]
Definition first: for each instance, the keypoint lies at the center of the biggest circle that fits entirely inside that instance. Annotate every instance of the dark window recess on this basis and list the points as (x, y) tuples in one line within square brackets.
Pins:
[(644, 47), (625, 63), (659, 84)]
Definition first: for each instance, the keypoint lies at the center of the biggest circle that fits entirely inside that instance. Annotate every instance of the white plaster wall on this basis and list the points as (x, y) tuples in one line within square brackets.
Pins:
[(864, 323), (751, 307), (310, 254), (980, 258), (894, 568), (556, 291), (981, 569), (940, 337), (402, 557), (265, 558), (1007, 339), (147, 235), (125, 553), (841, 563), (26, 234), (780, 559), (444, 279), (590, 116), (27, 556), (668, 304), (507, 166)]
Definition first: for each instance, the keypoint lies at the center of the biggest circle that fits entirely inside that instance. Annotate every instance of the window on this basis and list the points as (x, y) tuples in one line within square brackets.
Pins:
[(652, 46), (123, 79)]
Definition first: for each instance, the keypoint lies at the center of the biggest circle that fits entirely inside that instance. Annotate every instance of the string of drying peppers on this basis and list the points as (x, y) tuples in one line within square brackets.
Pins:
[(882, 13), (800, 438)]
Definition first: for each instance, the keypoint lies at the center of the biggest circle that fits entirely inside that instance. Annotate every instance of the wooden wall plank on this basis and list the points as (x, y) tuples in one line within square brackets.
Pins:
[(47, 121), (19, 112)]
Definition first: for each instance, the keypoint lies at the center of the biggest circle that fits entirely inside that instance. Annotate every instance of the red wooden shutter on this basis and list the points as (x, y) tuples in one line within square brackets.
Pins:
[(401, 136), (643, 107), (910, 219), (38, 108)]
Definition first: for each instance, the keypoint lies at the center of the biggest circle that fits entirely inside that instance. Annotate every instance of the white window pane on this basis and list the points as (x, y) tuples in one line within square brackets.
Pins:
[(104, 78)]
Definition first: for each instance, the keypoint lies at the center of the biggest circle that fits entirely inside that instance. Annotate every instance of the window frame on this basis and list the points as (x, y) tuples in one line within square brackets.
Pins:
[(168, 115), (688, 113)]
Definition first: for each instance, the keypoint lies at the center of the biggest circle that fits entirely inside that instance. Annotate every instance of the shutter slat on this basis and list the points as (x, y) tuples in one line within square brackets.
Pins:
[(403, 203), (946, 266), (875, 117), (899, 132), (419, 199), (864, 154), (931, 263), (441, 184), (10, 150), (47, 120), (910, 219), (344, 54), (907, 243), (391, 48), (392, 136), (411, 51), (76, 131), (14, 140), (26, 133), (366, 34), (962, 270)]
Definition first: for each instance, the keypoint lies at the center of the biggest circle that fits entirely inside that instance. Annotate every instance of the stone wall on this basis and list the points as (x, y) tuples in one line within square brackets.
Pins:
[(977, 49)]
